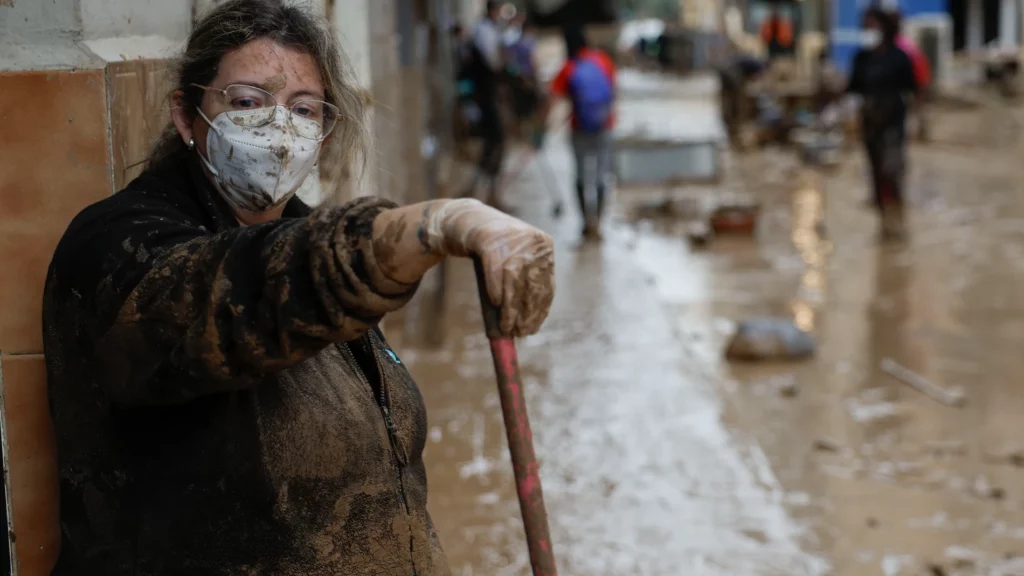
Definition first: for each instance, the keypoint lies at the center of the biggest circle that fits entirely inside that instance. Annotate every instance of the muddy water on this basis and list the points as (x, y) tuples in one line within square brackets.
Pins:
[(659, 458)]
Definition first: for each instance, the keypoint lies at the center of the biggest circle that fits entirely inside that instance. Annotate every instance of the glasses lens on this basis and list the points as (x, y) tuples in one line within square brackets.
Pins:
[(252, 106), (314, 119)]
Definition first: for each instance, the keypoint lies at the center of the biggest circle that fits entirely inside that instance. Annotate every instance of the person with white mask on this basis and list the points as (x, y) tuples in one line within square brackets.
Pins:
[(223, 400), (883, 77)]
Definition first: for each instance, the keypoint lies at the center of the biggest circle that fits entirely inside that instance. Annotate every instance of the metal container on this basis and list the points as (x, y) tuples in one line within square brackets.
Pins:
[(670, 163)]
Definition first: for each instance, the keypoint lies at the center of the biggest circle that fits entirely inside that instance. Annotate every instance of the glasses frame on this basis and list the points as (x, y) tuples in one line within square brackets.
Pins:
[(327, 106)]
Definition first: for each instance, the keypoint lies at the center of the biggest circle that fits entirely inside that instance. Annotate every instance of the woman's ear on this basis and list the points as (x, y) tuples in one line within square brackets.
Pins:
[(182, 120)]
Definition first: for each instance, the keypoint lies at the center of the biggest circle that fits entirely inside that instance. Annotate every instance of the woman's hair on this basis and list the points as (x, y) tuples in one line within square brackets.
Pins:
[(889, 27), (237, 22)]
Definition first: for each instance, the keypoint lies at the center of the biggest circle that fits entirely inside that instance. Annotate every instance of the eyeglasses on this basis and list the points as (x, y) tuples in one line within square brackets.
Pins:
[(259, 108)]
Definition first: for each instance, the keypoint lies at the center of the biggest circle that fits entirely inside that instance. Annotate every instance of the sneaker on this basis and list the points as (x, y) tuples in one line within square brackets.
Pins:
[(592, 231), (893, 226)]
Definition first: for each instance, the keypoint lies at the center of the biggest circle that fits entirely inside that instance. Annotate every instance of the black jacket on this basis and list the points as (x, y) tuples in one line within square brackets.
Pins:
[(222, 402), (885, 79)]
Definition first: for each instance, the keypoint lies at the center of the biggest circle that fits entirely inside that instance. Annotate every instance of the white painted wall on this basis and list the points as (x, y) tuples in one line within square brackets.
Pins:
[(351, 19), (471, 10), (128, 29), (34, 18), (119, 18), (41, 35), (1008, 21), (975, 25)]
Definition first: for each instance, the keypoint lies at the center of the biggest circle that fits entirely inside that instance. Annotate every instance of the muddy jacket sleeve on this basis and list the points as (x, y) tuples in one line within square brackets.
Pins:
[(177, 312)]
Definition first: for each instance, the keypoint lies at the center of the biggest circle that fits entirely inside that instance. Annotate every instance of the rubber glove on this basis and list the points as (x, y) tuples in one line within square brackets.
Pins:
[(518, 259)]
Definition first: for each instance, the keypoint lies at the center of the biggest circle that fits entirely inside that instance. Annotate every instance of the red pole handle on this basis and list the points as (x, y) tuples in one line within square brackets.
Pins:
[(520, 437)]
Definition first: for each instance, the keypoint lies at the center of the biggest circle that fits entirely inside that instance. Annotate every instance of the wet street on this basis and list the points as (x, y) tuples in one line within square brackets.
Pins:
[(658, 457)]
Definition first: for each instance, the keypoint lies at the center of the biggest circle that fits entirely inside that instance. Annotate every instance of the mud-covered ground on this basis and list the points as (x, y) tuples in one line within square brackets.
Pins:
[(660, 458)]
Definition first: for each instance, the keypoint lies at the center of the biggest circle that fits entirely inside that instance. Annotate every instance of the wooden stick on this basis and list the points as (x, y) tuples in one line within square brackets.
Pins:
[(948, 397)]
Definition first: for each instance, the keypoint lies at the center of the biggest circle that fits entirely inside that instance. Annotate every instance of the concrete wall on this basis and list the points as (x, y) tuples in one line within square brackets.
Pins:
[(135, 18), (42, 36)]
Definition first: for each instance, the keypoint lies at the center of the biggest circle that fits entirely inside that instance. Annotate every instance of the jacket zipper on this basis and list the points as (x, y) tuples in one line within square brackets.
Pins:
[(400, 458)]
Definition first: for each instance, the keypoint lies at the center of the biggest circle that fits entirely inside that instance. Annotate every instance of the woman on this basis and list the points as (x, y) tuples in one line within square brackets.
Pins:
[(223, 401), (884, 77)]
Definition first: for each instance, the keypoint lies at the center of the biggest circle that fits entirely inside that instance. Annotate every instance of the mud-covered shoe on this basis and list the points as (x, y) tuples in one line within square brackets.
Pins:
[(893, 225)]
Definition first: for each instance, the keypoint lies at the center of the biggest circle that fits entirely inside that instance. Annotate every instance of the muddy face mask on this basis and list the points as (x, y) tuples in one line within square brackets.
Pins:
[(257, 168)]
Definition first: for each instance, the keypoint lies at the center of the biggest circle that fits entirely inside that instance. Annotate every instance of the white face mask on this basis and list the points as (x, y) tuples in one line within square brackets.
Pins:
[(258, 168), (870, 38)]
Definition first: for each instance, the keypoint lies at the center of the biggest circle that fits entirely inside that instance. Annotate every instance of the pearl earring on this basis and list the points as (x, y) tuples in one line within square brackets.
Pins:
[(191, 143)]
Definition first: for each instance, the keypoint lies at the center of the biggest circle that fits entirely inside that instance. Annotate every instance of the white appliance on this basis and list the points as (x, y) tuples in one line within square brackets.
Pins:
[(933, 34)]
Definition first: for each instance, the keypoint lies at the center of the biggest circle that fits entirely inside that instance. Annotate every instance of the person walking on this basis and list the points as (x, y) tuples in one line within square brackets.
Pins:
[(588, 80), (522, 73), (486, 68), (777, 34), (734, 77), (223, 399), (883, 76)]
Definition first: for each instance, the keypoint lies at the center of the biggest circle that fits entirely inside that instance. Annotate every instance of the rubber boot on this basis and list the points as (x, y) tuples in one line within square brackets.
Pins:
[(596, 233), (581, 196), (893, 225)]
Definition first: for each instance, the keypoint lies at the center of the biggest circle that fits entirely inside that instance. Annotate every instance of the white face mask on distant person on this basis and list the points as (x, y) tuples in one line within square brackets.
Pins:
[(259, 167), (870, 38)]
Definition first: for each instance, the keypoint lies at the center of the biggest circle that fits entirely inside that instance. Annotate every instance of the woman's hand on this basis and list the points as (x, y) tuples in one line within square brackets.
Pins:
[(518, 259)]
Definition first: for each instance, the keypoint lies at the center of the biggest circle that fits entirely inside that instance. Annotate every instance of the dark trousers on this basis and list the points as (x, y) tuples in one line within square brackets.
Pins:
[(887, 150), (493, 135)]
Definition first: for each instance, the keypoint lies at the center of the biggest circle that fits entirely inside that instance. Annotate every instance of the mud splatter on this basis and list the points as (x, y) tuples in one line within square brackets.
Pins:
[(385, 247), (275, 83)]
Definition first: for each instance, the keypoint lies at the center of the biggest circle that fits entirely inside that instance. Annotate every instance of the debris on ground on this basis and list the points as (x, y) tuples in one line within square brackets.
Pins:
[(756, 535), (949, 397), (699, 233), (788, 388), (870, 412), (769, 339), (898, 470), (893, 565), (939, 448), (963, 558), (785, 385), (1013, 456), (983, 489), (735, 218), (827, 445)]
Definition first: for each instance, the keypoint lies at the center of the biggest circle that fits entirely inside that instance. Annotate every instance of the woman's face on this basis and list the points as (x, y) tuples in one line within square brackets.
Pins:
[(288, 74)]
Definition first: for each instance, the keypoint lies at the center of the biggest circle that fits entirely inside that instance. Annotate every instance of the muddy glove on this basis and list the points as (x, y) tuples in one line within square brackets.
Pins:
[(518, 259)]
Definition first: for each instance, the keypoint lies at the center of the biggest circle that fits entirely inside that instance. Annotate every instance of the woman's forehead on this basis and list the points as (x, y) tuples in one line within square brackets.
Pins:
[(271, 66)]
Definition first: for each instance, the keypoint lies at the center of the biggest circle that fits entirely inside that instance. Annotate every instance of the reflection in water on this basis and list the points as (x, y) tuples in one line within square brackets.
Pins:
[(659, 459), (808, 211)]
